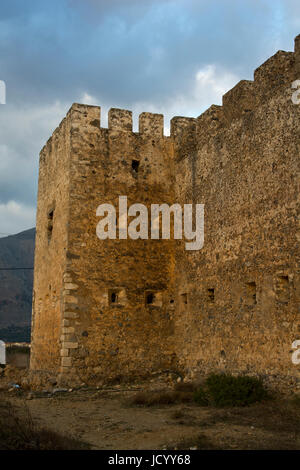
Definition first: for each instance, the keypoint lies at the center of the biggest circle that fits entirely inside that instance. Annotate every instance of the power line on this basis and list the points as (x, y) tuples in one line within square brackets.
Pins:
[(13, 269)]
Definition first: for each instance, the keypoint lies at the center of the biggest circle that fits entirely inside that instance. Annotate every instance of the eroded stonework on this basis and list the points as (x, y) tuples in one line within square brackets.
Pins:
[(104, 309)]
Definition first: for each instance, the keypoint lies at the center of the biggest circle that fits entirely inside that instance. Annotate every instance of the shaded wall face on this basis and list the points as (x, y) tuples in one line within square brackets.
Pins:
[(119, 303), (242, 288), (51, 243)]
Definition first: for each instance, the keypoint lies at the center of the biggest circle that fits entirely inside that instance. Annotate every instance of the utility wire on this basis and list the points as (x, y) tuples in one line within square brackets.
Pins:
[(13, 269)]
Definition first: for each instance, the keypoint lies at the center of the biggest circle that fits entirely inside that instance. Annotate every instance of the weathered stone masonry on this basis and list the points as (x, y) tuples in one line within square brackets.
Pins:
[(112, 308)]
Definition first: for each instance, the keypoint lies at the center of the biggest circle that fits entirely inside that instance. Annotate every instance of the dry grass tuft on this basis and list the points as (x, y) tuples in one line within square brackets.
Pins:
[(156, 398), (186, 387), (19, 432), (199, 442)]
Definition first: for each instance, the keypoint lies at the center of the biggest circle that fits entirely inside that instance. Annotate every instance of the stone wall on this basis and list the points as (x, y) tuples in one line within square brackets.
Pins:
[(115, 317), (110, 329), (238, 298), (50, 252), (122, 308)]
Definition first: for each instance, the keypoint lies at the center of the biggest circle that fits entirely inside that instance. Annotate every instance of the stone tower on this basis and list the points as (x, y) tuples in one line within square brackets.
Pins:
[(101, 308)]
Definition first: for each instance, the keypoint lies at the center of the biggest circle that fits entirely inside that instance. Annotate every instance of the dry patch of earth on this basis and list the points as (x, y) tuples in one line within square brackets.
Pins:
[(105, 419)]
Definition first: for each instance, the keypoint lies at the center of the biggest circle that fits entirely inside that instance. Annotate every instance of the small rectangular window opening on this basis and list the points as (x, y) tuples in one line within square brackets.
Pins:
[(153, 299), (283, 288), (135, 165), (211, 294), (114, 297), (117, 297), (184, 298), (50, 224), (251, 293), (150, 298)]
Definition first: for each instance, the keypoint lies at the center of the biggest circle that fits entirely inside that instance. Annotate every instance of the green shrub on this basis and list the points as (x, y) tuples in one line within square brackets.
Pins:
[(223, 390), (156, 398), (185, 387), (201, 397)]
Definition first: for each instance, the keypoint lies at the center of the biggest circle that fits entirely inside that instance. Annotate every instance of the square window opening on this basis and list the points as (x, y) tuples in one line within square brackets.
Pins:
[(117, 297), (153, 299)]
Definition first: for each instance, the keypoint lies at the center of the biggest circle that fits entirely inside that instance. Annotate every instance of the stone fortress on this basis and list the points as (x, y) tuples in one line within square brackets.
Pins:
[(128, 308)]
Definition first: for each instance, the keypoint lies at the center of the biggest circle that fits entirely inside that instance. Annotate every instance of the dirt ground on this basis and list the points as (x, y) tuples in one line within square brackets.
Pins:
[(105, 420)]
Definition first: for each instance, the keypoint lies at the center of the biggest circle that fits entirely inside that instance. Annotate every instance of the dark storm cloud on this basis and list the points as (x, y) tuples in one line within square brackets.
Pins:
[(128, 50), (173, 56)]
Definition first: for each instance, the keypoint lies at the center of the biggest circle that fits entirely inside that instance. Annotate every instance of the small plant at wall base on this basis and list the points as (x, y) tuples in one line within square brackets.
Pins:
[(223, 390)]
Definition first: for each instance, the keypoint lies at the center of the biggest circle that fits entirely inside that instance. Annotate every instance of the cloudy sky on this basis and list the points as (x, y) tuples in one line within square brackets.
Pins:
[(175, 57)]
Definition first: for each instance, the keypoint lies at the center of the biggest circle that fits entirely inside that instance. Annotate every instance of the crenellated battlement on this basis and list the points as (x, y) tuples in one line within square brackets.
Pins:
[(87, 118), (270, 78), (274, 76), (239, 100), (180, 125), (183, 133), (47, 149), (151, 124), (210, 122), (79, 112), (119, 119)]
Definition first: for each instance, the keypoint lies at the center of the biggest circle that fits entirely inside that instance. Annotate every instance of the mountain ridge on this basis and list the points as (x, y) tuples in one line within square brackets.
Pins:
[(16, 251)]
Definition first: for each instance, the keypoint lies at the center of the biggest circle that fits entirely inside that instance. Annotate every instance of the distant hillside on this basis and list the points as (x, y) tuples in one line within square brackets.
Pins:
[(16, 251)]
